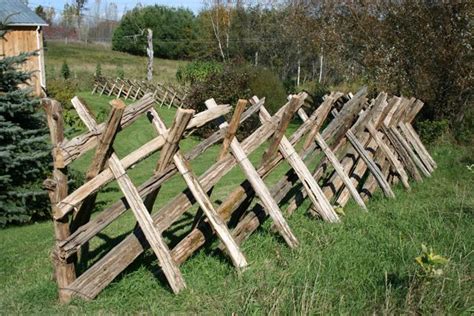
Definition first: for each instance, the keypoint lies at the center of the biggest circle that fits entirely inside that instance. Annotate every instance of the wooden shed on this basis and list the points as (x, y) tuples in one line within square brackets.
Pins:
[(24, 34)]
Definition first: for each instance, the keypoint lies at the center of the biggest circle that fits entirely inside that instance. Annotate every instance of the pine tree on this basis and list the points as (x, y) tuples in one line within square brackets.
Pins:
[(65, 71), (24, 149)]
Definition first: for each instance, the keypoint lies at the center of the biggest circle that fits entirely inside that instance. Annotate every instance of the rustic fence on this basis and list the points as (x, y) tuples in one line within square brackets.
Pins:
[(164, 95), (365, 145)]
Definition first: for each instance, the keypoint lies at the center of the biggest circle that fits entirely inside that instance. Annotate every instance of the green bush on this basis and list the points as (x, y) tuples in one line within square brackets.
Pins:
[(62, 91), (235, 82), (265, 83), (120, 72), (431, 131), (98, 70), (197, 71), (174, 30), (65, 71)]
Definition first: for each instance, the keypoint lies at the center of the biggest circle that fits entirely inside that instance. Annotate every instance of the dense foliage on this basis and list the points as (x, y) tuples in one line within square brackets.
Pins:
[(24, 149), (414, 48), (173, 30), (233, 82), (197, 71)]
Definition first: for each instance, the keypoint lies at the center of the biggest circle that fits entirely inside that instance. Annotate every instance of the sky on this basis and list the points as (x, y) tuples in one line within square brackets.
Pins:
[(194, 5)]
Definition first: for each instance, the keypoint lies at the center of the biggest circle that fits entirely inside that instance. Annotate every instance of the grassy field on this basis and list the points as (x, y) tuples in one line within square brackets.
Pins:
[(83, 64), (365, 265)]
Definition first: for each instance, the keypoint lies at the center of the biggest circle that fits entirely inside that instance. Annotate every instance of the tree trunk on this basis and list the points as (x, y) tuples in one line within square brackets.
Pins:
[(149, 51), (321, 67), (299, 73)]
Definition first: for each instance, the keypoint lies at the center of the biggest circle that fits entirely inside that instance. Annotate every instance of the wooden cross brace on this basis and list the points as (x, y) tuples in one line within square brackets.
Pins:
[(359, 148), (97, 277), (184, 168), (427, 166), (313, 190), (314, 135), (144, 219), (259, 186)]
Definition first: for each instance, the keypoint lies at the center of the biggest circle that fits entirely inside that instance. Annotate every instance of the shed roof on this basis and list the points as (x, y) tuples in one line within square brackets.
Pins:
[(15, 12)]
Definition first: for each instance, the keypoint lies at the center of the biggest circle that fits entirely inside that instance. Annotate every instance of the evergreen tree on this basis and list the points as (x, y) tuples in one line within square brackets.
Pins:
[(24, 149), (65, 71)]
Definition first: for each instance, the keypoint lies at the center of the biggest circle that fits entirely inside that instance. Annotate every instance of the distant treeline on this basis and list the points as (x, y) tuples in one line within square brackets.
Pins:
[(415, 48)]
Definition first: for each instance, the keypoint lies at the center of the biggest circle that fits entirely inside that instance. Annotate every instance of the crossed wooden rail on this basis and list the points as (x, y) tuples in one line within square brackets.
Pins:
[(164, 95), (372, 140)]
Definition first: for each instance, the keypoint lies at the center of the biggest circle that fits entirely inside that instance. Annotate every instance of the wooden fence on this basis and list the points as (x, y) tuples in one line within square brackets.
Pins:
[(164, 95), (370, 141)]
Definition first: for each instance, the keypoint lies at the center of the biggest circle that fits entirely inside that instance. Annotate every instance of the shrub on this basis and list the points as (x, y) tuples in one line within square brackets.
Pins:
[(197, 71), (62, 91), (98, 70), (265, 83), (120, 72), (173, 31), (237, 82), (65, 71), (431, 131)]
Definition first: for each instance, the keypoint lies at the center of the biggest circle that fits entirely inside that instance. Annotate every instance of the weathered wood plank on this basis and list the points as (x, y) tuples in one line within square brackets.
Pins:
[(57, 188), (333, 159), (201, 196), (389, 155), (416, 148), (323, 111), (281, 129), (402, 154), (232, 129), (102, 220), (75, 198), (410, 151), (90, 283), (260, 188), (145, 221), (314, 192), (374, 169), (76, 147), (103, 152)]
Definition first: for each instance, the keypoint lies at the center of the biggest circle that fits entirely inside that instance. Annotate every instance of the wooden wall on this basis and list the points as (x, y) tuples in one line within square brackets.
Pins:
[(25, 39)]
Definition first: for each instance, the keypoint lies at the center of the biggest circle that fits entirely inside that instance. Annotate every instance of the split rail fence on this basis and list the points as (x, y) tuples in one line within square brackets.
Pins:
[(364, 145), (164, 95)]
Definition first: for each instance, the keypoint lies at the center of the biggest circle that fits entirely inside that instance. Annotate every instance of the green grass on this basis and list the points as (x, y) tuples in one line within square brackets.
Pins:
[(365, 265), (82, 60)]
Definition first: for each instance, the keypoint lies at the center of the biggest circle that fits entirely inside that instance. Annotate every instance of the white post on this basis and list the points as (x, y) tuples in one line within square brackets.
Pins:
[(149, 51), (321, 66)]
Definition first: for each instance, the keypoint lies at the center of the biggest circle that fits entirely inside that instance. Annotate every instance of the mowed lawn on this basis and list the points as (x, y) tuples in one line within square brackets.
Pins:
[(366, 264)]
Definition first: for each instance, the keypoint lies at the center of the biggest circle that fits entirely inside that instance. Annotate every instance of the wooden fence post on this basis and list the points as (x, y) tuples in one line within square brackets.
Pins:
[(57, 189)]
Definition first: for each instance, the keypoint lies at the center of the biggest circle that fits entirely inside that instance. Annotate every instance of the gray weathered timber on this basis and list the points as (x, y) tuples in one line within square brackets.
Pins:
[(57, 188), (323, 111), (143, 218), (200, 195), (314, 192), (282, 126), (389, 155), (259, 187), (79, 145), (69, 246), (103, 152), (97, 277), (374, 169), (333, 159), (232, 129), (76, 197)]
